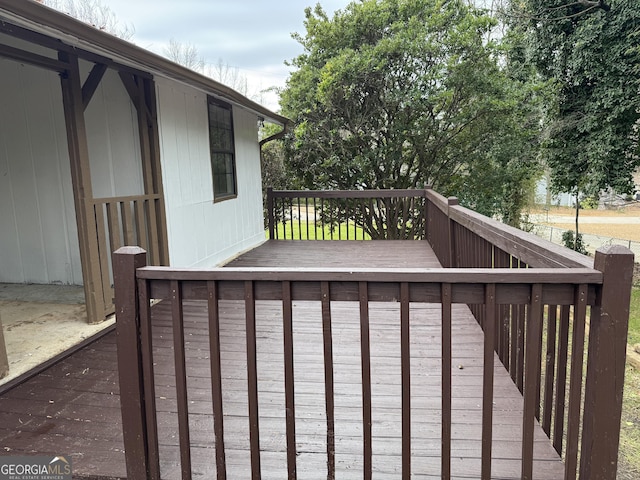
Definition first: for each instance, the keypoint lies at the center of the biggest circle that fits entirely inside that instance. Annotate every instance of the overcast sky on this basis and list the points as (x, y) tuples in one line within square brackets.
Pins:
[(252, 35)]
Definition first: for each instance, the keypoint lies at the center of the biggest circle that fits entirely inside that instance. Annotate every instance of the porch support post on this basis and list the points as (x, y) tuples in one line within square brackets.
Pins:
[(156, 168), (142, 93), (81, 182), (606, 364)]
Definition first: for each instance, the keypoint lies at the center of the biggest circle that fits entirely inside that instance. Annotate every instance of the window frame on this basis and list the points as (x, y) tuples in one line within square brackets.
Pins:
[(213, 150)]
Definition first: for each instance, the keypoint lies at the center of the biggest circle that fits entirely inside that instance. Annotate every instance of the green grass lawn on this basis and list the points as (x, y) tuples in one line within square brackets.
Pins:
[(629, 457), (309, 231)]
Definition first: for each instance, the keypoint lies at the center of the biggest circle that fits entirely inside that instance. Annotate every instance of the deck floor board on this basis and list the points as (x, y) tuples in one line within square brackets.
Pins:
[(73, 407)]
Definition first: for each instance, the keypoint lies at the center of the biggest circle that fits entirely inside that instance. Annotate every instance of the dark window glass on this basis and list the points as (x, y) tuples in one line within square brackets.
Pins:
[(223, 157)]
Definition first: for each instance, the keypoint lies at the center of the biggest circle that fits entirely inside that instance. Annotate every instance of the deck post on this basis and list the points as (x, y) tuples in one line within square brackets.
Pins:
[(270, 213), (606, 364), (125, 262), (451, 202)]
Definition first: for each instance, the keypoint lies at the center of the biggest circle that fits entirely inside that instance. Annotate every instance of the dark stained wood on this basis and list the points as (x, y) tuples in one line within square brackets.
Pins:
[(487, 379), (179, 355), (327, 254), (446, 381), (325, 336), (287, 318), (550, 364), (531, 377), (216, 380), (467, 353), (146, 353), (134, 419), (92, 82), (561, 379), (327, 341), (82, 189), (528, 248), (606, 365), (365, 363), (252, 379), (575, 382), (405, 347), (30, 58)]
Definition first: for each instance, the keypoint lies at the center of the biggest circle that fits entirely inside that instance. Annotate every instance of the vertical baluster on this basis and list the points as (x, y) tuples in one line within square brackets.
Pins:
[(328, 378), (284, 218), (331, 218), (405, 353), (487, 378), (520, 348), (575, 381), (252, 379), (306, 215), (365, 357), (446, 381), (146, 354), (290, 404), (216, 377), (315, 219), (291, 219), (561, 379), (181, 379), (532, 378), (299, 221), (550, 363)]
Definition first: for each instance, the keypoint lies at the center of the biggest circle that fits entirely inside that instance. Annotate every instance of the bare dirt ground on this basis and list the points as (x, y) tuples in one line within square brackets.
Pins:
[(622, 223)]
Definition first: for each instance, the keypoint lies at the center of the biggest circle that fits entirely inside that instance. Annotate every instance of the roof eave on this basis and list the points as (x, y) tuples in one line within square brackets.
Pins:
[(33, 15)]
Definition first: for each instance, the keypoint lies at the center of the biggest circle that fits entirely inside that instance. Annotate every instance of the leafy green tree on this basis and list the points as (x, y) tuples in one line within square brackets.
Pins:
[(402, 94), (591, 50)]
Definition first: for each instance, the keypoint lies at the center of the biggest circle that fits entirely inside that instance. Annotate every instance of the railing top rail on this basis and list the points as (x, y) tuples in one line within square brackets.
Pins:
[(126, 198), (347, 194), (373, 275), (531, 249)]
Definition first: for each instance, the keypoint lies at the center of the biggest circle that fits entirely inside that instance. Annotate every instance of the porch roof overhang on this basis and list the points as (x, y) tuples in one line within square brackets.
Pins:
[(74, 34)]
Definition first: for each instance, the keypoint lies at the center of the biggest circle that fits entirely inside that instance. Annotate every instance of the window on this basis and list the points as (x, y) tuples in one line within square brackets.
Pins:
[(223, 158)]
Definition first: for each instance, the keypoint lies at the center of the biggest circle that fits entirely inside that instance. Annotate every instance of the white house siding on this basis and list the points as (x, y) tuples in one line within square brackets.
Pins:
[(201, 232), (38, 230), (112, 136), (38, 234)]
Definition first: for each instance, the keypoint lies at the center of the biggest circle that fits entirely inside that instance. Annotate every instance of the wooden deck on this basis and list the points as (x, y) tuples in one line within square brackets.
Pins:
[(73, 407)]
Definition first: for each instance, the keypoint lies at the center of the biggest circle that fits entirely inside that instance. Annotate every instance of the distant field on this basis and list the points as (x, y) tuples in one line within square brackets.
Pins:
[(614, 230), (630, 211)]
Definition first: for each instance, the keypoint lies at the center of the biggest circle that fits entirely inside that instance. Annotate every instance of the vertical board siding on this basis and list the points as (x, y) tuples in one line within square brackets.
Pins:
[(39, 235), (112, 136), (201, 232)]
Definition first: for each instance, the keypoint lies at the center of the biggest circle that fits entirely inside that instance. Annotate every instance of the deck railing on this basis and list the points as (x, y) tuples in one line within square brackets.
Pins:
[(346, 214), (534, 316), (128, 220)]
